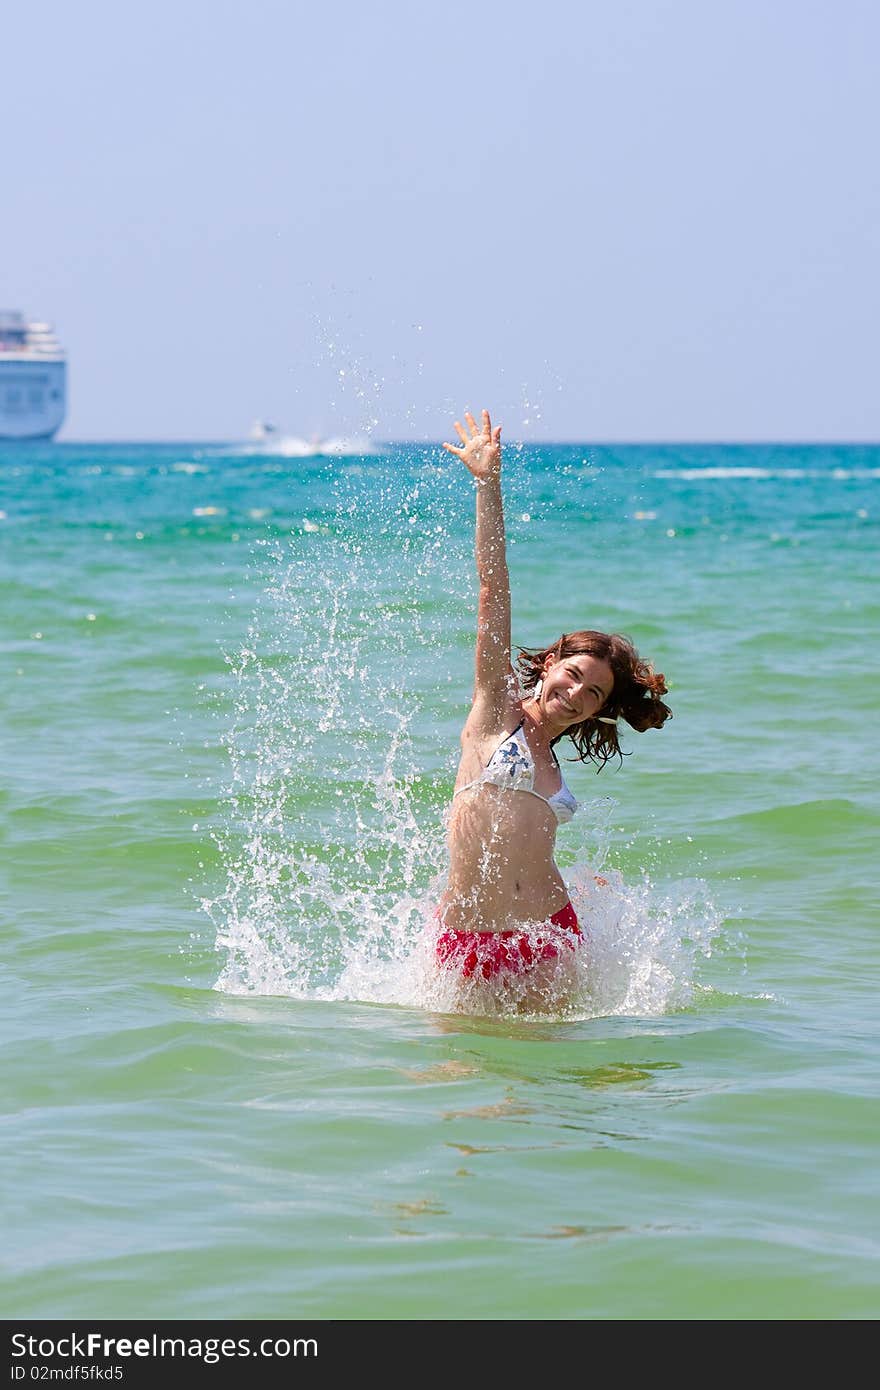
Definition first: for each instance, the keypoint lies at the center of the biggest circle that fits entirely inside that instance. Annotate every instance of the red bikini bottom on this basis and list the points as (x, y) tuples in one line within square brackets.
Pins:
[(487, 952)]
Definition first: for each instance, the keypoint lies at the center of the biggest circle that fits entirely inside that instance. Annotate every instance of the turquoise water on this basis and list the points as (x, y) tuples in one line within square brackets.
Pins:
[(234, 685)]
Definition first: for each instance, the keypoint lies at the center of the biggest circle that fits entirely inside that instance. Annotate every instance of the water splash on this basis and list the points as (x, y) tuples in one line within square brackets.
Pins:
[(341, 751)]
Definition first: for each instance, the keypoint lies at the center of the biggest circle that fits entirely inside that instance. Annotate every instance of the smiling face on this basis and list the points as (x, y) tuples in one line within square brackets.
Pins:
[(575, 688)]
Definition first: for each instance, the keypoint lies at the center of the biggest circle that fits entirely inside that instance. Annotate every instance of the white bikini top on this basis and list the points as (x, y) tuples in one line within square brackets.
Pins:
[(512, 768)]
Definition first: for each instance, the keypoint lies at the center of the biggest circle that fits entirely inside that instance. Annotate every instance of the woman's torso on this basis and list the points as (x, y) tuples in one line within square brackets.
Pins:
[(508, 801)]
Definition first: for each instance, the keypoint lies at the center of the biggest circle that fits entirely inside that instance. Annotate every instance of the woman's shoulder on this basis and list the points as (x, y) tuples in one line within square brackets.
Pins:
[(489, 720)]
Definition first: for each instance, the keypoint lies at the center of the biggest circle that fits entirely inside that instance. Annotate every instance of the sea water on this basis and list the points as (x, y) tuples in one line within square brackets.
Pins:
[(234, 1086)]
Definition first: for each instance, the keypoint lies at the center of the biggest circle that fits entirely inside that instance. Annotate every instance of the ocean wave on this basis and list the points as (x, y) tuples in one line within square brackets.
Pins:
[(692, 475)]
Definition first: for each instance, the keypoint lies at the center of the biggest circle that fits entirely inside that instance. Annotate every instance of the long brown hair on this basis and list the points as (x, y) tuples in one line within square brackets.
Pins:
[(635, 696)]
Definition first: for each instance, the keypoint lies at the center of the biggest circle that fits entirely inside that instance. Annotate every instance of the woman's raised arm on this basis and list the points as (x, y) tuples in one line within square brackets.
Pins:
[(480, 452)]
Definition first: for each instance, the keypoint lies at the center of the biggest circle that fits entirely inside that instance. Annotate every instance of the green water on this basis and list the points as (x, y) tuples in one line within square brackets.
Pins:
[(233, 690)]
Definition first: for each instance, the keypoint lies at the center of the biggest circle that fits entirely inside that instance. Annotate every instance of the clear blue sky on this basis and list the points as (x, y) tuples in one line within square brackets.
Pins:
[(625, 220)]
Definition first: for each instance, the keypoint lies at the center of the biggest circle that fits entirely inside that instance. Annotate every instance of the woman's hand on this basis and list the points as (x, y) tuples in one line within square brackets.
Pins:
[(481, 450)]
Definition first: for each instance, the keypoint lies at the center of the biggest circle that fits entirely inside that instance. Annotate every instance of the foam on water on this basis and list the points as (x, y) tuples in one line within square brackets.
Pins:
[(640, 955), (704, 474), (333, 835), (292, 446)]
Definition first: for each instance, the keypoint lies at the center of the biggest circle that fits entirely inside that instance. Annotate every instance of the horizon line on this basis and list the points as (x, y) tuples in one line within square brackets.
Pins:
[(788, 441)]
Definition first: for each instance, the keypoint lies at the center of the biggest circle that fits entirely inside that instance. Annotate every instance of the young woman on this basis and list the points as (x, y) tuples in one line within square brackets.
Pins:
[(505, 917)]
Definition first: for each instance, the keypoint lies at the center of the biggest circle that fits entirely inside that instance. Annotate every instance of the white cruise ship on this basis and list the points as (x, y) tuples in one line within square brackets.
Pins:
[(33, 372)]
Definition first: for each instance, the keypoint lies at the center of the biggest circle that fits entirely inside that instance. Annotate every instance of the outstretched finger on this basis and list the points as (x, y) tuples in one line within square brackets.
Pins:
[(472, 422), (487, 425), (496, 435), (459, 453), (460, 432)]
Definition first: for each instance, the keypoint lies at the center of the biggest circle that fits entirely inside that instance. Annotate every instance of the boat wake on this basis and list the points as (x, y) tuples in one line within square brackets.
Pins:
[(266, 440)]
